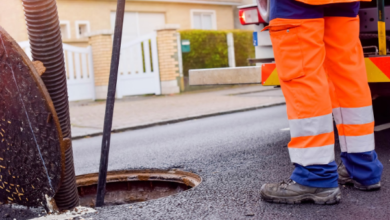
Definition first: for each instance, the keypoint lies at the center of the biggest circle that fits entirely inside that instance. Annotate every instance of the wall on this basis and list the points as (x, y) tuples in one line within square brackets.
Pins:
[(98, 12), (101, 55), (12, 19)]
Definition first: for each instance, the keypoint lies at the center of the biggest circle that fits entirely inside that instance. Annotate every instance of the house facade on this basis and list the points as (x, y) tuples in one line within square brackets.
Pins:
[(80, 17), (87, 26)]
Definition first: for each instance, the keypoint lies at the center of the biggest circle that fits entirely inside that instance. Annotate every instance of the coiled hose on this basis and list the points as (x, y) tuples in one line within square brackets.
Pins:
[(46, 46)]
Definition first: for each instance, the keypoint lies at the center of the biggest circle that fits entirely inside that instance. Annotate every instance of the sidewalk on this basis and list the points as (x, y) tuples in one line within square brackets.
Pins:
[(87, 118)]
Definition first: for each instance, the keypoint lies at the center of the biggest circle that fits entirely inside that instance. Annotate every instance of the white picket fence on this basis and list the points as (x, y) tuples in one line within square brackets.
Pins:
[(79, 71), (139, 68)]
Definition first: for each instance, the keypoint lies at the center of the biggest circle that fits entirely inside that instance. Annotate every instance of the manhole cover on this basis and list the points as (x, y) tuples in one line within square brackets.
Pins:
[(135, 185), (31, 147)]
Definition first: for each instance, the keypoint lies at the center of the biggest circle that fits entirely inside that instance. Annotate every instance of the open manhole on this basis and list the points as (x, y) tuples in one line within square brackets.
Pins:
[(131, 186)]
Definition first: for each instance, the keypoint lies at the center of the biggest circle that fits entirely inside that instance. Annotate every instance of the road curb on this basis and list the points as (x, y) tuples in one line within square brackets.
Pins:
[(172, 121)]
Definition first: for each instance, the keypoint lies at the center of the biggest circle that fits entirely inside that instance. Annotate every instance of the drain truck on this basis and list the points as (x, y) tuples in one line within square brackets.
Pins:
[(377, 57), (378, 68)]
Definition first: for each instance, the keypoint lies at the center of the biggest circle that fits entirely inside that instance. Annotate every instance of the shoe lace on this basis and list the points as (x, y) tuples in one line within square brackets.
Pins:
[(286, 183)]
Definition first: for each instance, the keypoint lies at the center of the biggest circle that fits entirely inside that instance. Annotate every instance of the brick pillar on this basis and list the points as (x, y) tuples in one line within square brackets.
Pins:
[(168, 59), (101, 43)]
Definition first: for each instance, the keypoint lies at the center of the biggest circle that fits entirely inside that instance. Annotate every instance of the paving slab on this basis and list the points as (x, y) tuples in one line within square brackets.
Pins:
[(87, 118)]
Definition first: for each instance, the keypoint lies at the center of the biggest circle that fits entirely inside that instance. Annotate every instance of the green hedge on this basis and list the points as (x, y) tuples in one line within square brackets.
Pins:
[(209, 49), (243, 46)]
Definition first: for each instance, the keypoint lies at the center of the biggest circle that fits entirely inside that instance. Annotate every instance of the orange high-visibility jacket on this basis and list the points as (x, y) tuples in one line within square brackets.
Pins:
[(323, 2)]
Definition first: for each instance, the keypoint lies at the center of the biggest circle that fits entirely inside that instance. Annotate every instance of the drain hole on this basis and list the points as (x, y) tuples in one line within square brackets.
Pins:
[(135, 186), (130, 192)]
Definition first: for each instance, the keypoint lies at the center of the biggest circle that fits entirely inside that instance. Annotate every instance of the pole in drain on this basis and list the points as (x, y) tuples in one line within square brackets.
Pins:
[(101, 188)]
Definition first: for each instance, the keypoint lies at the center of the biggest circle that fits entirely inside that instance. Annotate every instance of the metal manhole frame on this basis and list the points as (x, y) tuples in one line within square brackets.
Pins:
[(177, 176)]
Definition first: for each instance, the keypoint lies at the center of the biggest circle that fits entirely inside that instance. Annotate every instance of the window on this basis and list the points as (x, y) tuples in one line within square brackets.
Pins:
[(82, 28), (203, 19), (65, 29)]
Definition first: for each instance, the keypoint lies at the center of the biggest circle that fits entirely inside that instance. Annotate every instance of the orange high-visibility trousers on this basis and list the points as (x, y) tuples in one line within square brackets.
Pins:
[(308, 54), (320, 64)]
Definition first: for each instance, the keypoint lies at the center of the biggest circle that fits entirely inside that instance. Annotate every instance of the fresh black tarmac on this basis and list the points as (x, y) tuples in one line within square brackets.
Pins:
[(234, 154)]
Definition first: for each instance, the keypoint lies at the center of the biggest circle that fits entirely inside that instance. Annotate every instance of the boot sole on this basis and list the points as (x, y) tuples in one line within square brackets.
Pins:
[(331, 199), (356, 185)]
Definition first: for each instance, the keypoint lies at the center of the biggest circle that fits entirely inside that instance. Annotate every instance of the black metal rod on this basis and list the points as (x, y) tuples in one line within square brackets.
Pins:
[(110, 103)]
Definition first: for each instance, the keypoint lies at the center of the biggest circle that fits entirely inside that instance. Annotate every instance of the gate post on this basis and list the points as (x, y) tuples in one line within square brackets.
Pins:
[(231, 56), (101, 43), (168, 59)]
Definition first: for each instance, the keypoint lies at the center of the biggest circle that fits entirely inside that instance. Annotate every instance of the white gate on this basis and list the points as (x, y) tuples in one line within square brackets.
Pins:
[(79, 71), (139, 68)]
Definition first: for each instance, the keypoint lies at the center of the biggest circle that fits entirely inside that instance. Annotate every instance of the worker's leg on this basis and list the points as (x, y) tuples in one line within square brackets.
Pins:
[(297, 38), (300, 53), (352, 106)]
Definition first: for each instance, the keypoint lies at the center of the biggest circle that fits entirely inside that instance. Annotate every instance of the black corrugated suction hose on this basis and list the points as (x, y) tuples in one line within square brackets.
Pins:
[(46, 46)]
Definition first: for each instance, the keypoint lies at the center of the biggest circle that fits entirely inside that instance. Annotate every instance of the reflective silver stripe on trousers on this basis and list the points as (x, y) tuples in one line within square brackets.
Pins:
[(353, 116), (312, 155), (357, 144), (311, 126)]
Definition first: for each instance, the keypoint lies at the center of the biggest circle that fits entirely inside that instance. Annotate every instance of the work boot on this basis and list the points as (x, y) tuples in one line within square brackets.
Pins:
[(344, 179), (291, 192)]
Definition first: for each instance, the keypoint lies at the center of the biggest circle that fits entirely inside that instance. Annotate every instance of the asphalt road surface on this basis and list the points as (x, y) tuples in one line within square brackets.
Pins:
[(234, 154)]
